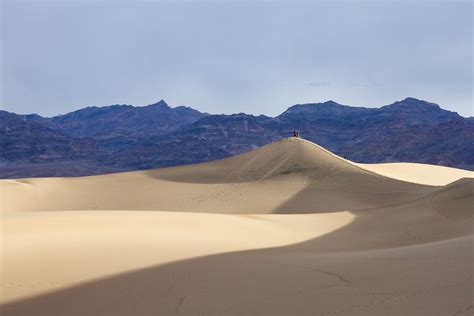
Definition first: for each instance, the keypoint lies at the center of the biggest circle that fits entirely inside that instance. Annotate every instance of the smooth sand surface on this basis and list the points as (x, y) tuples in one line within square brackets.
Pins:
[(287, 229), (419, 173)]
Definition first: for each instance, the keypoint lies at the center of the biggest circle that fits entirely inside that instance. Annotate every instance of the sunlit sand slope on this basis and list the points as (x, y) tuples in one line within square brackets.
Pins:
[(419, 173), (287, 229)]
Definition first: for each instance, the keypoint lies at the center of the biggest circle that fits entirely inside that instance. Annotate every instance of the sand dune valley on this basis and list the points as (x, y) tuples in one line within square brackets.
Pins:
[(286, 229)]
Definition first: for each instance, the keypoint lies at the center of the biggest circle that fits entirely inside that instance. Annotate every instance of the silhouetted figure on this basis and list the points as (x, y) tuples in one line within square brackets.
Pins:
[(295, 133)]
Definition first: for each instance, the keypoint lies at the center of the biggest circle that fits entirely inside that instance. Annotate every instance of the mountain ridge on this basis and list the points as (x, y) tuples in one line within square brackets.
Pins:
[(125, 137), (330, 102)]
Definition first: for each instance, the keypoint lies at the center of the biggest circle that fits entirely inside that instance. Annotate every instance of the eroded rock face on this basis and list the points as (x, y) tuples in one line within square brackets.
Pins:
[(33, 142), (123, 137)]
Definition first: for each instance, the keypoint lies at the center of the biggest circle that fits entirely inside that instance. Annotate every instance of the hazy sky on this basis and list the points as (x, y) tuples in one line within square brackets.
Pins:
[(227, 57)]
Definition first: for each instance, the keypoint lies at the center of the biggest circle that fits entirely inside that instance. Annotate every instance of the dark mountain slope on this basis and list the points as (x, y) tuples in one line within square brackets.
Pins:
[(130, 138), (122, 120), (24, 141), (409, 130), (117, 126)]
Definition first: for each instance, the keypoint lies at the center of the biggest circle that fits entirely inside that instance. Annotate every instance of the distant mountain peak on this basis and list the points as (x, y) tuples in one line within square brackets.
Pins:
[(411, 99), (414, 103), (330, 102), (320, 107), (160, 104)]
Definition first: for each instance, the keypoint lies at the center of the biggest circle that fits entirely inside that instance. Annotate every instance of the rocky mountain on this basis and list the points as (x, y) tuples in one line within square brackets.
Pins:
[(408, 130), (118, 126), (24, 141), (123, 137)]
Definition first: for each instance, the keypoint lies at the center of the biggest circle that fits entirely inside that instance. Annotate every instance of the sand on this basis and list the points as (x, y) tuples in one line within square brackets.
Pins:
[(287, 229), (418, 173)]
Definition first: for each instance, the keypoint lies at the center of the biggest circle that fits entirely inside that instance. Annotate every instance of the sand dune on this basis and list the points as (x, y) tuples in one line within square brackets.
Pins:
[(269, 178), (288, 229)]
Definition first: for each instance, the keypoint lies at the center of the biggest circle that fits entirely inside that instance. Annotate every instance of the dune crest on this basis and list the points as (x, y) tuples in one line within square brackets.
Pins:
[(289, 155)]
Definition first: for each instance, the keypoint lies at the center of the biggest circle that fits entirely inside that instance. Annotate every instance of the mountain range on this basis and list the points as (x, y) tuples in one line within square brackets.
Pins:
[(96, 140)]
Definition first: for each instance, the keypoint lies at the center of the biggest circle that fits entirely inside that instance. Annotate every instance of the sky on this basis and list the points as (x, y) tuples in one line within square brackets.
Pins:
[(257, 57)]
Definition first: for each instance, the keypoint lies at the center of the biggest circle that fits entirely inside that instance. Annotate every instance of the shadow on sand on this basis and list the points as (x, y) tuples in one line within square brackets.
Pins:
[(335, 274)]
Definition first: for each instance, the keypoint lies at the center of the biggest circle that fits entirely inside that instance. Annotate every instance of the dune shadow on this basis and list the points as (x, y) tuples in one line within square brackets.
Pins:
[(340, 190)]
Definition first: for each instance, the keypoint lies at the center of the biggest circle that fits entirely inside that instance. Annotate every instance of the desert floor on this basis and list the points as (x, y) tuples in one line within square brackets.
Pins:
[(287, 229)]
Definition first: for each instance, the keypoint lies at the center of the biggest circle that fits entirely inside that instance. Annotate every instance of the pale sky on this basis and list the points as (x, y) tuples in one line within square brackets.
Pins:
[(258, 57)]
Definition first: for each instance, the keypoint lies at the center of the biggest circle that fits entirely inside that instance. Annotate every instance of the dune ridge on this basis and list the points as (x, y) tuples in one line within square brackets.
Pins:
[(289, 228)]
